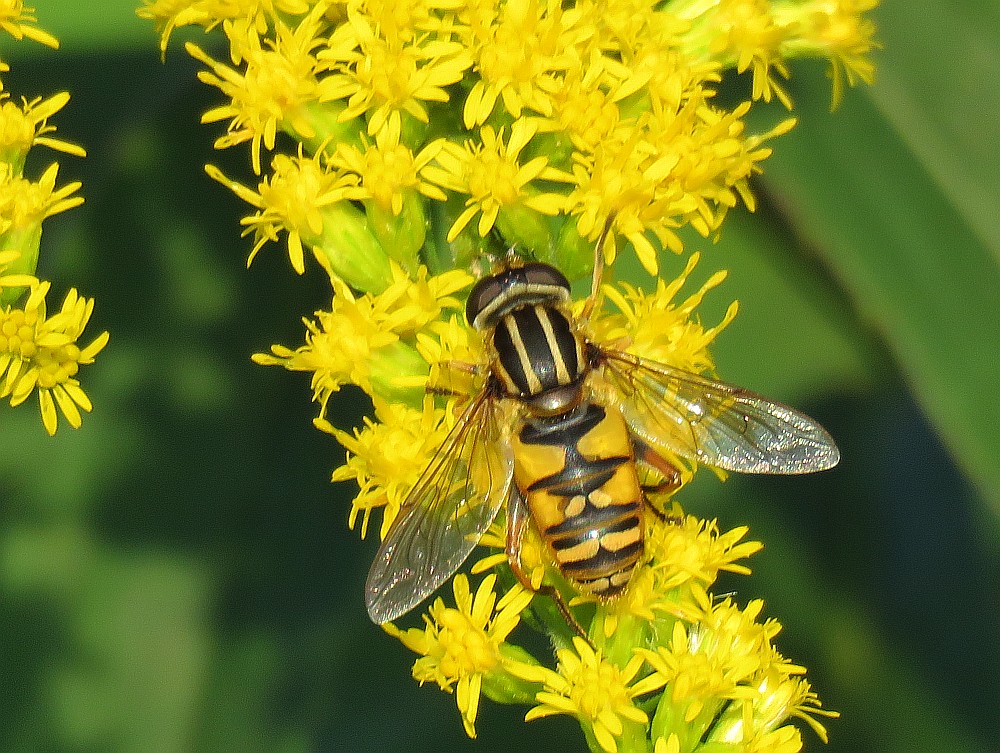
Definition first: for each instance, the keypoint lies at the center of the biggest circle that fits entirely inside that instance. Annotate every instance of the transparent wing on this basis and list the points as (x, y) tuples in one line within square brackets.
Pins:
[(715, 423), (443, 517)]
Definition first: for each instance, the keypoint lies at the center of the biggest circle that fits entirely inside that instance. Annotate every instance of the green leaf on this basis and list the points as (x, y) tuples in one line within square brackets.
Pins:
[(794, 338), (897, 192)]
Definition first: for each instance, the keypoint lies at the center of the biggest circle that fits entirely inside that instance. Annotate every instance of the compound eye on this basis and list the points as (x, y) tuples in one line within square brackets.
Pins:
[(533, 283), (482, 294), (544, 275)]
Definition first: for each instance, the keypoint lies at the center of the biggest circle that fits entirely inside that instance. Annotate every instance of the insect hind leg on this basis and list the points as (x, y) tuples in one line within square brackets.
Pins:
[(668, 471), (517, 522)]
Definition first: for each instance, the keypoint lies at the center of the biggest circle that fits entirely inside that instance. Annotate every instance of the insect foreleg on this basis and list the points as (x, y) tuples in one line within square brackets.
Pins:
[(646, 454), (469, 368), (461, 367)]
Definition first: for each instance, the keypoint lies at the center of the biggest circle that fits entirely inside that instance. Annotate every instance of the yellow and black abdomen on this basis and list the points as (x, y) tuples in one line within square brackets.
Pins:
[(577, 474)]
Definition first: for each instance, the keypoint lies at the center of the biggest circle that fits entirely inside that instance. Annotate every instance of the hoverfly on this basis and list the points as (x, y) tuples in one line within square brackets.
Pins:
[(556, 433)]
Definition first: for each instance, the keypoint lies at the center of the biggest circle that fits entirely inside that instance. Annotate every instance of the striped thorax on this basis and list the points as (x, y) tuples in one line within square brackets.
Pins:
[(574, 465), (539, 356)]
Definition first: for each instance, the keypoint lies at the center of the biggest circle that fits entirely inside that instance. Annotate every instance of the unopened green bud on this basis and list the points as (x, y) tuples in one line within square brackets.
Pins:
[(401, 235), (573, 255), (391, 367), (328, 129), (527, 230), (350, 250)]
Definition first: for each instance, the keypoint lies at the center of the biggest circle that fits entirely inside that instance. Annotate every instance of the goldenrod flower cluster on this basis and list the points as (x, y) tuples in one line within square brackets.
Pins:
[(39, 351), (405, 146), (666, 667)]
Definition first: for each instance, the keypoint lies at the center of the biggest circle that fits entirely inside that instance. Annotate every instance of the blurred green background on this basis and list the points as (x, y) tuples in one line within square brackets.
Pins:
[(177, 575)]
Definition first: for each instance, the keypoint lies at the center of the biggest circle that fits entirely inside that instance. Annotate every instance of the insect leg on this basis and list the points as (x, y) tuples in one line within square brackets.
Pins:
[(646, 454), (469, 368), (444, 391), (464, 367), (517, 520), (671, 476)]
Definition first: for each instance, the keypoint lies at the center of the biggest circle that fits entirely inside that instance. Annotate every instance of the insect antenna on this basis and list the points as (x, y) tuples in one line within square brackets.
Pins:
[(595, 284)]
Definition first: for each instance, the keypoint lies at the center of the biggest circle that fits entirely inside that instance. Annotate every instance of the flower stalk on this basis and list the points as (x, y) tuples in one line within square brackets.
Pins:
[(408, 147)]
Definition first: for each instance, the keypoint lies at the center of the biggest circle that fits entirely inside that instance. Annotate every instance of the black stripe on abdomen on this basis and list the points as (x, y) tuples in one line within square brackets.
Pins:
[(600, 558)]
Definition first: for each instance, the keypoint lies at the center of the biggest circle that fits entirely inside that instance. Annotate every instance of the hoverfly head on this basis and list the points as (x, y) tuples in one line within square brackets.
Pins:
[(515, 287)]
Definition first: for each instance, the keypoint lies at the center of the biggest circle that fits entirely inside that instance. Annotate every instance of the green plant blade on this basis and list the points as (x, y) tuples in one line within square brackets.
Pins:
[(882, 190)]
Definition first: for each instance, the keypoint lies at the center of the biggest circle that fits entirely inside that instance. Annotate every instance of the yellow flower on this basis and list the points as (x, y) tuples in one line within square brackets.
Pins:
[(461, 647), (584, 104), (784, 696), (655, 326), (702, 674), (684, 557), (24, 203), (385, 69), (40, 353), (672, 169), (761, 36), (746, 32), (386, 456), (841, 32), (595, 691), (785, 739), (276, 89), (291, 200), (413, 304), (16, 20), (724, 681), (371, 340), (490, 174), (387, 170), (694, 552), (519, 47), (448, 342), (342, 346), (22, 127), (170, 14)]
